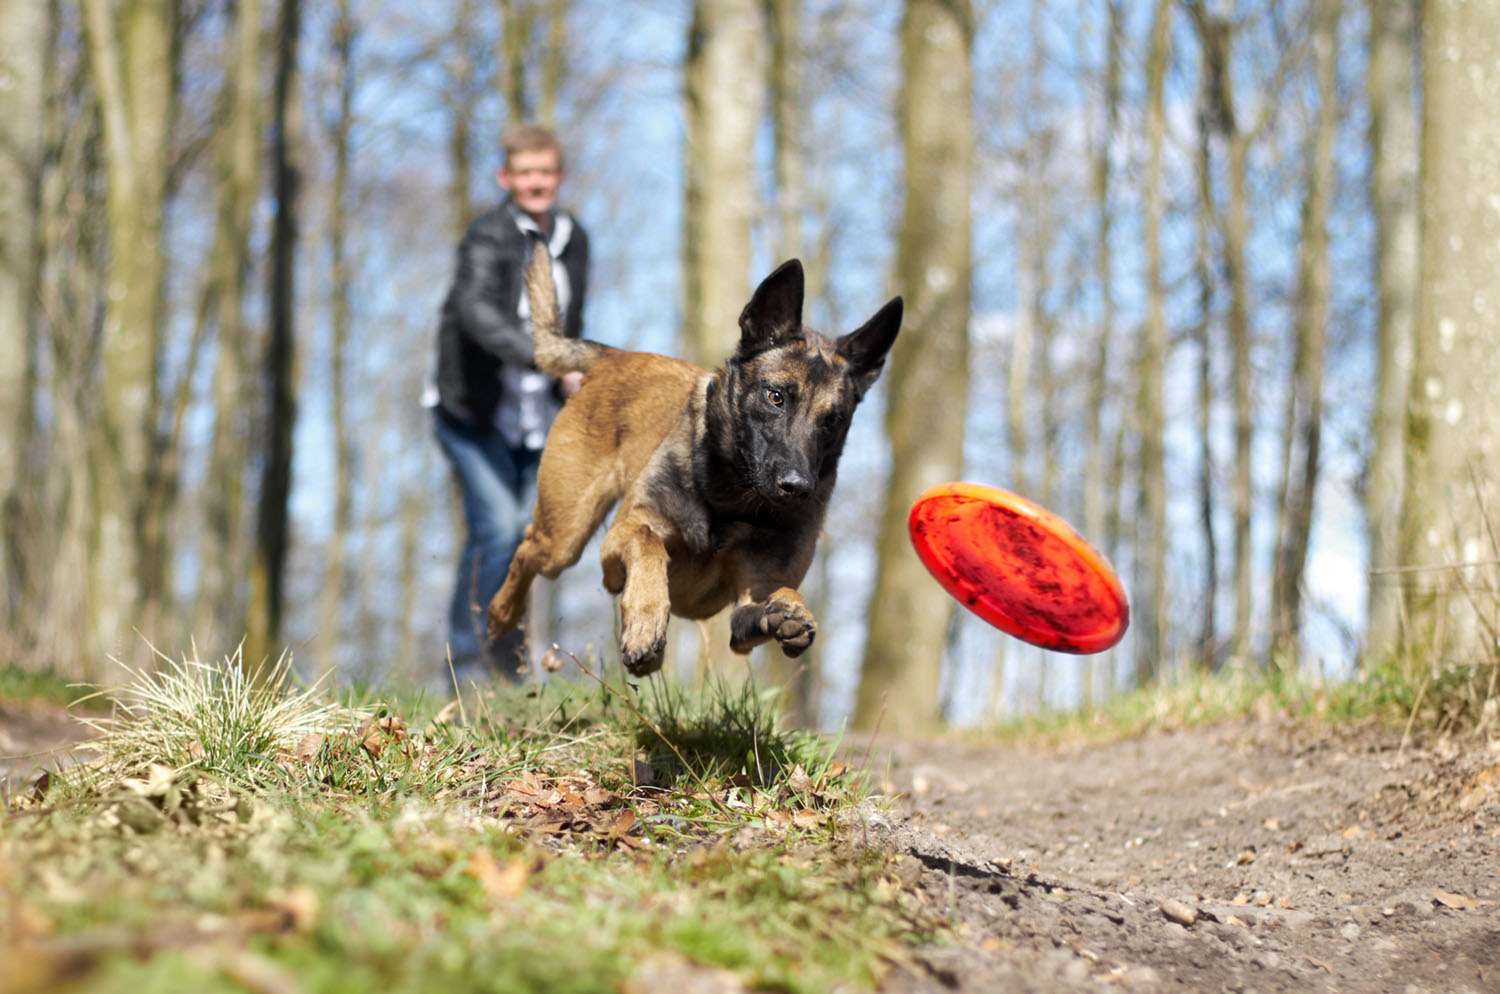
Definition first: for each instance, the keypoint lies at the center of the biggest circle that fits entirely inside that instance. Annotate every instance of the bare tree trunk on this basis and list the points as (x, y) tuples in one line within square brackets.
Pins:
[(1393, 191), (784, 18), (133, 56), (1093, 494), (725, 77), (220, 597), (267, 570), (1094, 490), (73, 220), (412, 508), (1312, 320), (1215, 36), (928, 379), (1150, 550), (338, 223), (1031, 336), (459, 95), (554, 60), (1018, 380), (1203, 335), (1452, 498), (24, 54), (516, 20)]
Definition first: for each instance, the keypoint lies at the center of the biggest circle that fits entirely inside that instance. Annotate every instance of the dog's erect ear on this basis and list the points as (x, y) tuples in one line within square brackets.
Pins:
[(774, 315), (865, 347)]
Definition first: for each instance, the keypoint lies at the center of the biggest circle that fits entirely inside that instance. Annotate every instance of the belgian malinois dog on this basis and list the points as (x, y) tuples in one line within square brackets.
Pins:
[(722, 477)]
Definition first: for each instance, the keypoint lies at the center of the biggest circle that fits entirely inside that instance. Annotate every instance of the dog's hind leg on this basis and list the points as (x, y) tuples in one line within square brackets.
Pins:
[(509, 603), (553, 542), (573, 496), (635, 567)]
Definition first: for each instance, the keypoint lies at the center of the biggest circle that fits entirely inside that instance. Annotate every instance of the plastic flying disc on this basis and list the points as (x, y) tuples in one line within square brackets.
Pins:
[(1019, 567)]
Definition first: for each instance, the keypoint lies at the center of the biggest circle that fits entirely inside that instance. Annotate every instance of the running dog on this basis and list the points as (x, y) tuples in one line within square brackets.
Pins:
[(722, 478)]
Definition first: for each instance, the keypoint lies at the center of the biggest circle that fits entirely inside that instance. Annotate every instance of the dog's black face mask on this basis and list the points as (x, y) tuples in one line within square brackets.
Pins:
[(783, 403)]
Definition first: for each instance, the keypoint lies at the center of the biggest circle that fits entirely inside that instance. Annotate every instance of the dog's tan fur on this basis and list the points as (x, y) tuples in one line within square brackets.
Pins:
[(631, 436)]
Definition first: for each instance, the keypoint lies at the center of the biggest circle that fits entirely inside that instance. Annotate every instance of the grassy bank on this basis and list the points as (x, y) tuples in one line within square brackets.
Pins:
[(578, 837), (1459, 700)]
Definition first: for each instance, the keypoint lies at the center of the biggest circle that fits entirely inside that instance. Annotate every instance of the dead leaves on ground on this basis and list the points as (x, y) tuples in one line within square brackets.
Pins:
[(163, 797), (379, 734), (573, 805)]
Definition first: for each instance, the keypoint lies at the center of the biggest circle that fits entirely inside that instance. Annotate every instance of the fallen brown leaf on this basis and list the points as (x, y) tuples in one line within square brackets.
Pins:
[(806, 819), (1484, 783), (622, 824), (499, 883), (378, 734), (799, 781), (308, 746), (1459, 902)]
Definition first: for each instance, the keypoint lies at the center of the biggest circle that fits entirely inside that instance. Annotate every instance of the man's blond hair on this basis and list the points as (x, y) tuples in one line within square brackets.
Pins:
[(530, 137)]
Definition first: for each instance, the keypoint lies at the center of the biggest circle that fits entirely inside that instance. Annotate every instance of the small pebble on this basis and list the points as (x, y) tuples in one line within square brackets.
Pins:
[(1178, 912)]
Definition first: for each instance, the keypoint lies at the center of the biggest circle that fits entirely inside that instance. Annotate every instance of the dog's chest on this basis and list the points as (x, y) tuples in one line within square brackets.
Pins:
[(702, 581)]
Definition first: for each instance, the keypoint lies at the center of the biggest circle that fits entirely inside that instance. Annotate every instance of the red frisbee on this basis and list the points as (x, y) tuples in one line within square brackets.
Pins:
[(1019, 567)]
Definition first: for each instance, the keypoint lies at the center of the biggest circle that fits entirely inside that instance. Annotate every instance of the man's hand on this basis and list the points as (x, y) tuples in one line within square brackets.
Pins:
[(571, 384)]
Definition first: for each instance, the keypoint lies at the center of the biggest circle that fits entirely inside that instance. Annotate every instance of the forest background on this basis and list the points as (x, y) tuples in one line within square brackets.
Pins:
[(1215, 280)]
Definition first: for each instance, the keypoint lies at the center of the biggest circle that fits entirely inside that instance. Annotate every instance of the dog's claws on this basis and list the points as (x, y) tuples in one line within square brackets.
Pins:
[(643, 643), (645, 662)]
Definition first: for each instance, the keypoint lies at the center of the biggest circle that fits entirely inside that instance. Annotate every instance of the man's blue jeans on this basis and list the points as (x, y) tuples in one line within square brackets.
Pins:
[(498, 484)]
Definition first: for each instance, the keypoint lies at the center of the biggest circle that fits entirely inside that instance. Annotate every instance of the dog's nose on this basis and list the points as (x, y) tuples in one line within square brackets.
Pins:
[(793, 484)]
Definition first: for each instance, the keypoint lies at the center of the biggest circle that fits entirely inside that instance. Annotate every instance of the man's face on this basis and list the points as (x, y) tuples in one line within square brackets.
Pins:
[(532, 178)]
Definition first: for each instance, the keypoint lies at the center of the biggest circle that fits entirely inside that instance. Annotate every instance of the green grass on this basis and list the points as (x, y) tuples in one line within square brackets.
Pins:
[(1382, 693), (547, 839), (18, 684)]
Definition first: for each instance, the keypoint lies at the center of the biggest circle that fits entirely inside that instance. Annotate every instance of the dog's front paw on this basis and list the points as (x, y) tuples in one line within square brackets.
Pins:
[(790, 623), (643, 641)]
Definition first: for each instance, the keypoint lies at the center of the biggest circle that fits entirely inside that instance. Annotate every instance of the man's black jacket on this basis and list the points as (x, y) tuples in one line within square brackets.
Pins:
[(480, 328)]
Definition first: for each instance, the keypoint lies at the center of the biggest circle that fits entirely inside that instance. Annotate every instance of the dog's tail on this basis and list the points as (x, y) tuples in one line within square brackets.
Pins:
[(555, 353)]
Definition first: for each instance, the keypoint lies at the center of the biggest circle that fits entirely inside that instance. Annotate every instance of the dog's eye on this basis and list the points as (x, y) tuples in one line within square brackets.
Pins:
[(775, 397)]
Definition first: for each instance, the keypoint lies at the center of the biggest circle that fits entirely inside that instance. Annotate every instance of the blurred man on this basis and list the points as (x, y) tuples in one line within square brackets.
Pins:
[(491, 407)]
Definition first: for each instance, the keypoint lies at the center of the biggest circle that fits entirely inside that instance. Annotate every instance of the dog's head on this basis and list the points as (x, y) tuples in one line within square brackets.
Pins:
[(784, 400)]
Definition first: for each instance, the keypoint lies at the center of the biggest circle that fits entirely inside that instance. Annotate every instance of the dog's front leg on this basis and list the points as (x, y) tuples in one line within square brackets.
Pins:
[(782, 616), (635, 567)]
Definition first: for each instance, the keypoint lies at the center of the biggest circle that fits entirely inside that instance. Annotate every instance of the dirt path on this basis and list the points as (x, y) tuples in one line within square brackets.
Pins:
[(1310, 865), (34, 735)]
